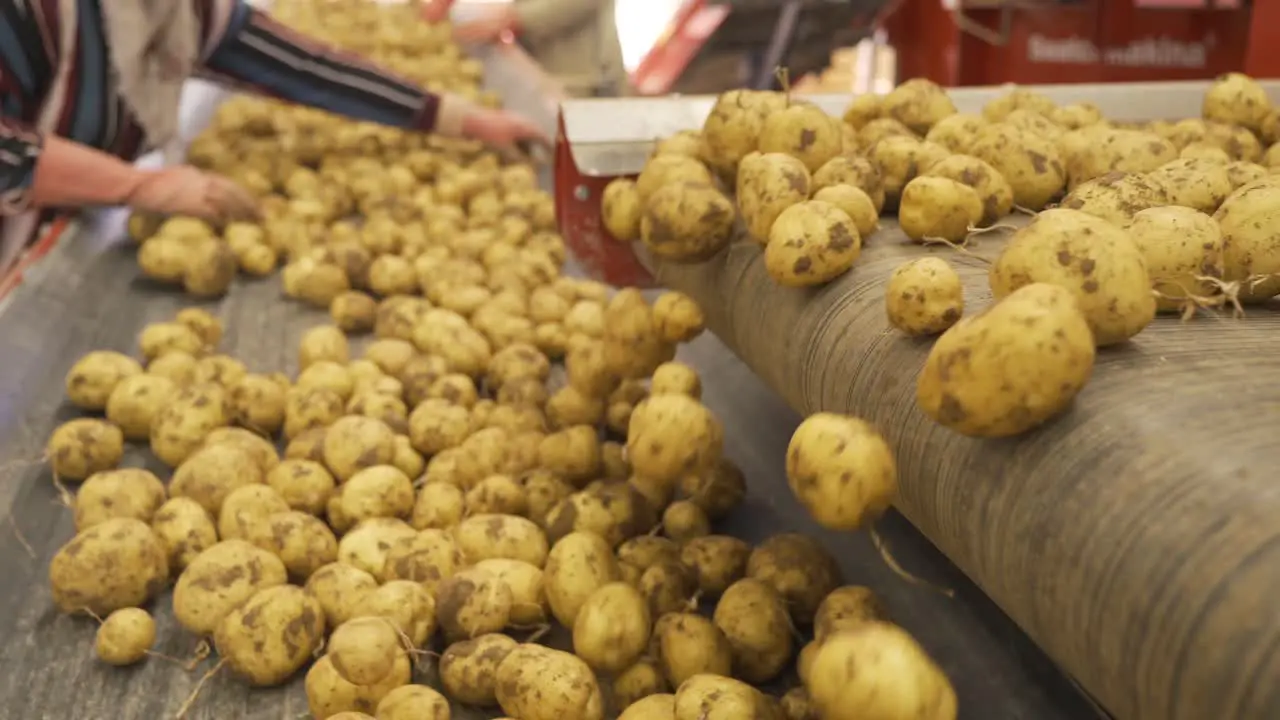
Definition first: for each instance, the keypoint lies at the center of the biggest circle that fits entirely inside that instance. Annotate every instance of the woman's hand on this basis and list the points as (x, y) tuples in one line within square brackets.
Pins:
[(185, 190), (488, 28), (502, 129)]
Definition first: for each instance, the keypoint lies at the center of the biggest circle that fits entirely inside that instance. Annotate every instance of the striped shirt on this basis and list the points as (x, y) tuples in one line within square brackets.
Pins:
[(241, 46)]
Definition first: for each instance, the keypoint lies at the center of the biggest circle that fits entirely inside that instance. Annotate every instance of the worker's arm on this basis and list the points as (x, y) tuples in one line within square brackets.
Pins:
[(540, 19), (245, 47)]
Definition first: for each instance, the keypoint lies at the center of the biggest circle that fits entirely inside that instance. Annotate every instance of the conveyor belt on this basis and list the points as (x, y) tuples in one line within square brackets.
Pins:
[(87, 294)]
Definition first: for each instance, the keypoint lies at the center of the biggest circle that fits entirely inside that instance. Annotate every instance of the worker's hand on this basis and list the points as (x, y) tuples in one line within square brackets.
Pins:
[(434, 11), (185, 190), (488, 28), (502, 129)]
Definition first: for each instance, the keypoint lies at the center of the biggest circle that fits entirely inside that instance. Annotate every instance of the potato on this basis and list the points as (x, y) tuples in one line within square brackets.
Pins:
[(717, 490), (811, 243), (364, 650), (438, 505), (578, 564), (1097, 261), (714, 697), (677, 317), (687, 222), (900, 159), (366, 545), (611, 628), (124, 493), (855, 203), (882, 128), (115, 564), (621, 209), (125, 637), (938, 208), (413, 702), (469, 668), (528, 605), (956, 132), (263, 451), (79, 448), (1237, 99), (688, 644), (210, 269), (653, 707), (164, 258), (919, 104), (800, 570), (436, 425), (486, 536), (677, 378), (159, 339), (302, 541), (718, 561), (543, 491), (842, 470), (258, 403), (1116, 197), (995, 193), (380, 491), (497, 495), (243, 514), (427, 558), (177, 366), (796, 705), (845, 608), (878, 671), (328, 375), (1017, 99), (642, 680), (863, 109), (94, 378), (272, 635), (1030, 163), (354, 311), (471, 603), (1180, 246), (1009, 381), (1250, 256), (671, 435), (648, 550), (219, 580), (663, 170), (1206, 152), (305, 485), (853, 170), (214, 472), (1131, 151), (340, 588), (767, 185), (804, 132), (685, 520), (180, 428), (732, 129), (185, 530), (754, 619), (1198, 184), (329, 696), (407, 605), (325, 342), (924, 296), (220, 369), (572, 454), (538, 683)]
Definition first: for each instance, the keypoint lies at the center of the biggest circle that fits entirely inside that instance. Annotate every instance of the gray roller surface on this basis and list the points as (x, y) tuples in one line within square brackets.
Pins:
[(88, 295)]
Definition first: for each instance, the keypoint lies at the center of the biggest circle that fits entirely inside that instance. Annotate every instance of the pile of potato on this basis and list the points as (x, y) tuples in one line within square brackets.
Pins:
[(1129, 219), (475, 450)]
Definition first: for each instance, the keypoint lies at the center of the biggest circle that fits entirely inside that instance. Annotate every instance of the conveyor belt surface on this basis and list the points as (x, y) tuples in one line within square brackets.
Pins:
[(87, 294)]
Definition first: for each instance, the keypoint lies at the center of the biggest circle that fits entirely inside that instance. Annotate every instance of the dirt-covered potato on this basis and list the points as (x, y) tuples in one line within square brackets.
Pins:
[(79, 448), (842, 470), (538, 683), (325, 342), (956, 132), (469, 668), (672, 435), (528, 600), (716, 697), (799, 569), (177, 366), (271, 636), (258, 403), (1198, 184), (684, 520), (407, 605), (185, 530), (1025, 359), (163, 259), (94, 377), (662, 170), (262, 450), (900, 158), (159, 339), (302, 541), (1205, 151), (485, 536), (1131, 151), (364, 650), (677, 317), (413, 702), (1250, 256), (243, 514), (1183, 250), (316, 407), (340, 588), (1097, 261), (115, 564), (717, 490), (878, 670), (995, 193), (354, 312), (438, 505), (938, 207), (688, 644), (210, 269), (804, 132), (611, 629), (179, 429), (572, 454), (212, 473), (367, 544), (639, 681), (753, 617), (919, 104), (1116, 197), (329, 696), (811, 243), (621, 209), (427, 558), (845, 608), (795, 704), (497, 495), (924, 296), (380, 491), (732, 129), (1030, 163), (1237, 99), (304, 485), (125, 637), (767, 185), (687, 222), (718, 561), (124, 493), (852, 170), (471, 603), (579, 564), (219, 580), (660, 706)]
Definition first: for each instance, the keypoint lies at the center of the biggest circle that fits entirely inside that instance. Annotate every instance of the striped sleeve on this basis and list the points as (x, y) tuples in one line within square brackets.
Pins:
[(245, 47), (20, 147)]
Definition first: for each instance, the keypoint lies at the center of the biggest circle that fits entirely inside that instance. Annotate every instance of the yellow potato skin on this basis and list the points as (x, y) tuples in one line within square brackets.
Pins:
[(878, 672), (924, 296), (811, 243), (1011, 367)]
